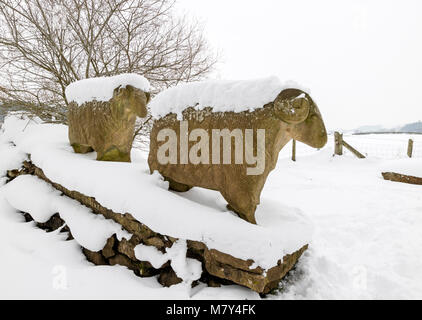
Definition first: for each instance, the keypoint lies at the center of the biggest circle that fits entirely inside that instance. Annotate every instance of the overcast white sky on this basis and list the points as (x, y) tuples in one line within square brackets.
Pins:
[(362, 60)]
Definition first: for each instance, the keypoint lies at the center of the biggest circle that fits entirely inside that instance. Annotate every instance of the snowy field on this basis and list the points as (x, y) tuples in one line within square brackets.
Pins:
[(379, 146), (386, 146), (366, 240)]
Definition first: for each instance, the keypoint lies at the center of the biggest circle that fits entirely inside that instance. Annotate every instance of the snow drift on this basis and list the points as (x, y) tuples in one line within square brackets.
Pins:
[(128, 187)]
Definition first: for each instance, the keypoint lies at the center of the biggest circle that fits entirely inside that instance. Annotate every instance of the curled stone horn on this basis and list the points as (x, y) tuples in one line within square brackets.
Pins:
[(292, 106)]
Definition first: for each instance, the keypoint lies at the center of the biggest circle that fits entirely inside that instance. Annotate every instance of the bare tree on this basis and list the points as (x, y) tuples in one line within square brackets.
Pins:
[(47, 44)]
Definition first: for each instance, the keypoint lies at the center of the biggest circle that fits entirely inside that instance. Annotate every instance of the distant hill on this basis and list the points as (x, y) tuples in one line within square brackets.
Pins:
[(410, 127), (375, 128)]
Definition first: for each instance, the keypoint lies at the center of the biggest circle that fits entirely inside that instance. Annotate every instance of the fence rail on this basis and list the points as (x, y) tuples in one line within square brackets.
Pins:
[(386, 132), (375, 147)]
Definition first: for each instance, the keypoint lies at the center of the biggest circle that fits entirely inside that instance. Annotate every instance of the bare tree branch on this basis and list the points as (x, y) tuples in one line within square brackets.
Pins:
[(47, 44)]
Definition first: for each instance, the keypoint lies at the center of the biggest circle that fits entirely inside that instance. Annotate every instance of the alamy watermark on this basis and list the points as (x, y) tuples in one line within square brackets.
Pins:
[(201, 153)]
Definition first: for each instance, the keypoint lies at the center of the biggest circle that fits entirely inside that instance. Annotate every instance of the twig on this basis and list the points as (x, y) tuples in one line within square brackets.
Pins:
[(140, 128)]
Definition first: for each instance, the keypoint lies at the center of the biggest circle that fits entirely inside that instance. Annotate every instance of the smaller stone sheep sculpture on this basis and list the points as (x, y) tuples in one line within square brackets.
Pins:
[(291, 115), (106, 125)]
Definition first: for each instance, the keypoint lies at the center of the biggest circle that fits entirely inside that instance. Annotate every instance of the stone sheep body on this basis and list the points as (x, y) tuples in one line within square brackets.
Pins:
[(292, 115), (107, 127)]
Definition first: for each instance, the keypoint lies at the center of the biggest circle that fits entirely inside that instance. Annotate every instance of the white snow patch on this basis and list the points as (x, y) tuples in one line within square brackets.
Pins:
[(13, 160), (10, 156), (102, 88), (41, 265), (185, 268), (151, 254), (34, 196), (221, 96)]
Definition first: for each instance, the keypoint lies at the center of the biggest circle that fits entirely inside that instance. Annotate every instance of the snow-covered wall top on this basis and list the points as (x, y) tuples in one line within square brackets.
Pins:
[(281, 230), (102, 88), (222, 96)]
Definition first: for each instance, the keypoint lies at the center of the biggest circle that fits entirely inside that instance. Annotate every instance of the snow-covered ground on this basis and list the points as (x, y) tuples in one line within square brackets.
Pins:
[(368, 230), (366, 241), (40, 265)]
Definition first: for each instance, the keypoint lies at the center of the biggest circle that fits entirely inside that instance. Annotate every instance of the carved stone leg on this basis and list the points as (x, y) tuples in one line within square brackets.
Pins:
[(176, 186), (248, 215), (81, 148), (244, 206), (113, 154)]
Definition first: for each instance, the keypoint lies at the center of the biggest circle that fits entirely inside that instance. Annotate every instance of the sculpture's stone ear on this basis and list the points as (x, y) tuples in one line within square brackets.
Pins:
[(116, 91), (292, 106)]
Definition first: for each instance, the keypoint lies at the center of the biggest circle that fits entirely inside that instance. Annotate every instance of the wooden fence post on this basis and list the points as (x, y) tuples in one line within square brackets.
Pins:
[(410, 148), (294, 150), (338, 143)]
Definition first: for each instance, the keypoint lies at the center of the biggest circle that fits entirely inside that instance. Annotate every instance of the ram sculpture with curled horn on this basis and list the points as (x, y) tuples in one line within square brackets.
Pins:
[(292, 115)]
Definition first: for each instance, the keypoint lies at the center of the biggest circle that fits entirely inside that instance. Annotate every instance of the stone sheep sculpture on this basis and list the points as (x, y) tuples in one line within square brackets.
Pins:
[(184, 162), (102, 114)]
